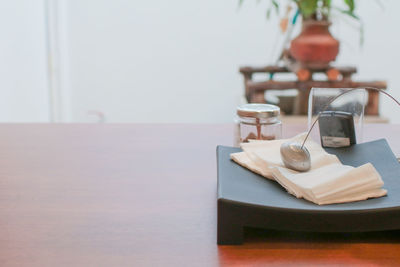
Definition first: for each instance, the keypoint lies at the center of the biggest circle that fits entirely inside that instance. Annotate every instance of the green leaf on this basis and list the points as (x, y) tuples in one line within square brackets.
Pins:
[(349, 13), (276, 5), (307, 7), (361, 33), (268, 13), (350, 4)]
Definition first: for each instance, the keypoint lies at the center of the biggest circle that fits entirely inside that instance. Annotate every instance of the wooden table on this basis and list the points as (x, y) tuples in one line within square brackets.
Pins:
[(144, 195)]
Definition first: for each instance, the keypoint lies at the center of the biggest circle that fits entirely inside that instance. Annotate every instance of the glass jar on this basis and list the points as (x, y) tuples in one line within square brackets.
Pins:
[(257, 122)]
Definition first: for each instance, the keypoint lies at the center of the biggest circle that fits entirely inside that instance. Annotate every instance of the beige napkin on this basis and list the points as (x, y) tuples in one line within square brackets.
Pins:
[(327, 182)]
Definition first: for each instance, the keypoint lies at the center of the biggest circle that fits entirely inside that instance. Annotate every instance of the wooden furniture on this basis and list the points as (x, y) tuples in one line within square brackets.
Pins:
[(144, 195), (336, 78)]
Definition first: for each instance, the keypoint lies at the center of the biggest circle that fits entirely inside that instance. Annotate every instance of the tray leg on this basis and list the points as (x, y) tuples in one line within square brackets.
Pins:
[(230, 230)]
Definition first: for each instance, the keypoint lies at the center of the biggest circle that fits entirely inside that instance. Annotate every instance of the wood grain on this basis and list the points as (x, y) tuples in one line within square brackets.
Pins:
[(143, 195)]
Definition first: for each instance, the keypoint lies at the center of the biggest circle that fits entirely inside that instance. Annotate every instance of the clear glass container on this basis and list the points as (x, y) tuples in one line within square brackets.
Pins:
[(353, 102), (257, 122)]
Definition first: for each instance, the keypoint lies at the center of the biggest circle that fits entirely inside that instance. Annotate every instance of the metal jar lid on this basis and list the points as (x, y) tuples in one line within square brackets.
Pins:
[(260, 111)]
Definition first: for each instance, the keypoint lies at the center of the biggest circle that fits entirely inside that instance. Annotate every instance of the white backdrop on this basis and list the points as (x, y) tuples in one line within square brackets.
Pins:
[(171, 61), (24, 94)]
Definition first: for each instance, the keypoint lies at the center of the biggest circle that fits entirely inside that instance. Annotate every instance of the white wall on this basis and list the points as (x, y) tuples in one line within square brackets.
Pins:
[(166, 61), (23, 62), (379, 56), (161, 61)]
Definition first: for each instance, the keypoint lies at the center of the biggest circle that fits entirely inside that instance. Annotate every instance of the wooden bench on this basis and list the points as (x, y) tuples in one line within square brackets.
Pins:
[(338, 77)]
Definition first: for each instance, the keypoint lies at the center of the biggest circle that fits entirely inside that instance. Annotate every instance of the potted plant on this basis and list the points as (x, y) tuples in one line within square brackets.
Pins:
[(314, 47)]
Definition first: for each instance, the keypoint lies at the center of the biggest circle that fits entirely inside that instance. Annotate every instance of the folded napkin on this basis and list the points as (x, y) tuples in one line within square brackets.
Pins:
[(327, 182)]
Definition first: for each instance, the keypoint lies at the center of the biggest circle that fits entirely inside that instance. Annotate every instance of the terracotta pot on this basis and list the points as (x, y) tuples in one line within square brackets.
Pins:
[(315, 47)]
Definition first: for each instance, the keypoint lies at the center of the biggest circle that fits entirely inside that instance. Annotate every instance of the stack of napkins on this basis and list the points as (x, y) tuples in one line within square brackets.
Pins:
[(328, 181)]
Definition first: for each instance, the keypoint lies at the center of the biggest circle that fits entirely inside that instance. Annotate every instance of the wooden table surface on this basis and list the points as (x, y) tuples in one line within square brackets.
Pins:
[(144, 195)]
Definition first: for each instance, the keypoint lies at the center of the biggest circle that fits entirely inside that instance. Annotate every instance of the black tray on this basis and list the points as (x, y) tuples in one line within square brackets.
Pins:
[(246, 199)]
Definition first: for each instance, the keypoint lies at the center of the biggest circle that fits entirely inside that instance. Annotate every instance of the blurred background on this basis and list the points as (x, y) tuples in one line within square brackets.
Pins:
[(161, 61)]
